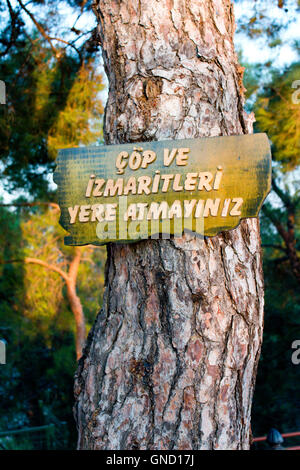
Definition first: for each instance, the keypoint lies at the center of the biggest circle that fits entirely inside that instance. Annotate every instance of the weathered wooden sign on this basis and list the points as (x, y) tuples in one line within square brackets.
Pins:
[(140, 190)]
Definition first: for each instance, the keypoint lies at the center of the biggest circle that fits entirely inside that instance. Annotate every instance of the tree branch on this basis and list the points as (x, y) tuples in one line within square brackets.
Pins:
[(283, 196), (50, 267), (31, 204), (74, 265), (278, 225), (13, 32), (70, 279), (45, 35), (39, 26), (276, 247)]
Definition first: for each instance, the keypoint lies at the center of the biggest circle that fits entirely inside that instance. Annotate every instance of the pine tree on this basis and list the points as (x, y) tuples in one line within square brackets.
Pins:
[(171, 360)]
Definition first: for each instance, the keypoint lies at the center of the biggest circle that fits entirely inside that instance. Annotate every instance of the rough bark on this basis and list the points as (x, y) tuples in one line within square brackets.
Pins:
[(171, 360)]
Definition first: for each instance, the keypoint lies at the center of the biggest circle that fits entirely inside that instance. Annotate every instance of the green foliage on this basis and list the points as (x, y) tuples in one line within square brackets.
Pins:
[(277, 110), (50, 105), (270, 94), (276, 399), (276, 402), (278, 114), (52, 90), (36, 385), (53, 102), (79, 123)]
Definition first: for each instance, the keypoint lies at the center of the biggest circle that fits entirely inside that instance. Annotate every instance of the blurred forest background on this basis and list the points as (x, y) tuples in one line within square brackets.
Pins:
[(55, 95)]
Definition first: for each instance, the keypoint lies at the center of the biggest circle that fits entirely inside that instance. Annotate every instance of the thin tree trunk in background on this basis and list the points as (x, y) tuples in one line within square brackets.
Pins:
[(77, 311), (171, 360), (70, 279), (75, 302)]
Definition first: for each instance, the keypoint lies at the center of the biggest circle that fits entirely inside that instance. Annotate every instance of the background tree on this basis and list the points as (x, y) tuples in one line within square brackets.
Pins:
[(36, 318), (50, 255), (52, 89), (53, 81), (274, 101), (276, 398)]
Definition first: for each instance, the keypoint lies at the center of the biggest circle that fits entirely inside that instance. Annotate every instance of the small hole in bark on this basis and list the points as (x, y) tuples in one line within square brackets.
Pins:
[(197, 298)]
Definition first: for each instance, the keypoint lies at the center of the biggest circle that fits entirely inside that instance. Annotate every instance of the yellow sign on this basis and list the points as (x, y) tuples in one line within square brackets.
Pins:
[(145, 190)]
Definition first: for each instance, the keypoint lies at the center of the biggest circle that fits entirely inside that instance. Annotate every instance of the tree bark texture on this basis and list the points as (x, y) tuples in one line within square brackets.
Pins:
[(171, 360)]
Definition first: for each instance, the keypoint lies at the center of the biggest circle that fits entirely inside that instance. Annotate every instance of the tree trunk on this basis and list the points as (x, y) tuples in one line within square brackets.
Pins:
[(75, 302), (171, 360), (77, 311)]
